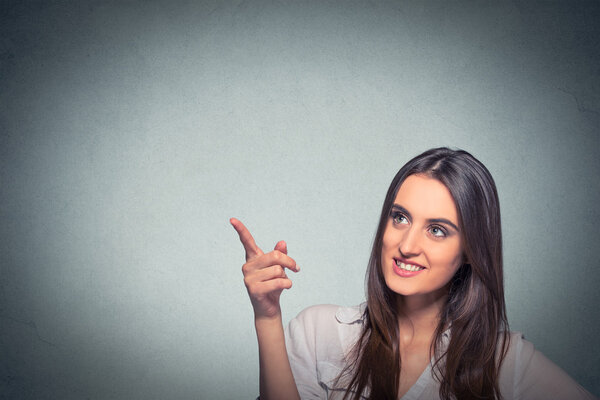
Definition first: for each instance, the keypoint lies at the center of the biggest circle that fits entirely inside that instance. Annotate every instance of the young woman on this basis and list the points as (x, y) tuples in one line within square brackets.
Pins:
[(434, 324)]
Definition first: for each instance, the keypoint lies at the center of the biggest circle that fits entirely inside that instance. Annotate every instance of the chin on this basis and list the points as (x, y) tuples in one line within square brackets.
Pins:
[(401, 288)]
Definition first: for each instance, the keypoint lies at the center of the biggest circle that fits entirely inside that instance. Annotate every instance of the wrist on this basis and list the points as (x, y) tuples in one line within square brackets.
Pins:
[(263, 320)]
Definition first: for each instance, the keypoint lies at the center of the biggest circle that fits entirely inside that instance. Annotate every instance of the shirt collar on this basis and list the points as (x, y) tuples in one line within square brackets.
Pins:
[(350, 315)]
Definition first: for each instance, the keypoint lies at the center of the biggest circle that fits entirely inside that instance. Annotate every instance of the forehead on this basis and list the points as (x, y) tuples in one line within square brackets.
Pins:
[(427, 198)]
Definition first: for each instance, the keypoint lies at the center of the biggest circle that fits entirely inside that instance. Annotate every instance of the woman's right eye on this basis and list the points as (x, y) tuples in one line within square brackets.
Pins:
[(399, 218)]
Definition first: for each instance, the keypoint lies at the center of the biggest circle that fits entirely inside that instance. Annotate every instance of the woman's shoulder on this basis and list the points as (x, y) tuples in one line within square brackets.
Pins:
[(318, 340), (331, 314), (326, 328), (526, 373), (520, 350)]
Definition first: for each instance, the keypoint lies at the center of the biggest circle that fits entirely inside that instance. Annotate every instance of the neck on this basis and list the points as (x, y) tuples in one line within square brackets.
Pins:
[(419, 315)]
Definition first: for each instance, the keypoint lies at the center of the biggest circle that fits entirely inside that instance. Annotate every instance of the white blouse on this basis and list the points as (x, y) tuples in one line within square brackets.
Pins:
[(320, 337)]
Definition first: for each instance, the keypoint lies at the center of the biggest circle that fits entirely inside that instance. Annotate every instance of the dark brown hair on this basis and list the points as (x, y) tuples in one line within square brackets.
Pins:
[(475, 311)]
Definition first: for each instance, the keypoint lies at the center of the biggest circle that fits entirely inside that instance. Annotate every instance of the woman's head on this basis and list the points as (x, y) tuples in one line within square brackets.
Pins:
[(441, 212), (458, 175)]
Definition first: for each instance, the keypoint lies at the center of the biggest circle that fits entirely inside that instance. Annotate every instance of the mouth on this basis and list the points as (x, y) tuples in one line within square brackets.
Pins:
[(403, 268)]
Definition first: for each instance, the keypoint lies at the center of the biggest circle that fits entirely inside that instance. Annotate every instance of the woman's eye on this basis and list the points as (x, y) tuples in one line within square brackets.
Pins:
[(399, 218), (437, 231)]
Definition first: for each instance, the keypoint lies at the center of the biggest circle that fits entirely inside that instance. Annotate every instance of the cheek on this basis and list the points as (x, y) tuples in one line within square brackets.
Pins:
[(387, 240), (448, 256), (385, 244), (391, 242)]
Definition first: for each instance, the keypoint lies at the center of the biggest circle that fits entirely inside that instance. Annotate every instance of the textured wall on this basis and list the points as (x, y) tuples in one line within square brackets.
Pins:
[(131, 132)]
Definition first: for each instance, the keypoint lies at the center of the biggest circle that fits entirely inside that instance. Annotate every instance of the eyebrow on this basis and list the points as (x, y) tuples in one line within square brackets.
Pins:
[(431, 220)]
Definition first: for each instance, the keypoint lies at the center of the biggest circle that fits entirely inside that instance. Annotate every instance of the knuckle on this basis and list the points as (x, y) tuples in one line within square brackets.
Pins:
[(283, 283), (245, 268)]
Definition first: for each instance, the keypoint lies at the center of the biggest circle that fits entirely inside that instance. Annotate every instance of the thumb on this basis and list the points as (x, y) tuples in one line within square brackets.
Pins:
[(281, 246)]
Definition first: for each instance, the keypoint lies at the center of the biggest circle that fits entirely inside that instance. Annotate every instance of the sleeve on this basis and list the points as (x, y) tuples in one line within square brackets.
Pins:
[(536, 377), (300, 338)]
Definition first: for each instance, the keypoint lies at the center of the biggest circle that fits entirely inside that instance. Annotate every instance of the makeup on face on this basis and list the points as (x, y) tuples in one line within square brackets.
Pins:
[(406, 269), (421, 246)]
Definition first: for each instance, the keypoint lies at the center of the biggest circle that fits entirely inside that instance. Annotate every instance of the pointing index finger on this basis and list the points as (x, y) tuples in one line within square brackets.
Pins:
[(252, 250)]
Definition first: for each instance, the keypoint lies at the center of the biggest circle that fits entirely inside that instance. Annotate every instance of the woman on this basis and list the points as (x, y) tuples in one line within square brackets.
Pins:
[(434, 324)]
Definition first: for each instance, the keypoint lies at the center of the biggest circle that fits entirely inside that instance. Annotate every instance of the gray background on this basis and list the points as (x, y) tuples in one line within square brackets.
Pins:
[(131, 132)]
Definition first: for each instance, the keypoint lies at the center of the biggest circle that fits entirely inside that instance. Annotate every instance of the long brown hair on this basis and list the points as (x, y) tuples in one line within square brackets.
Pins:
[(467, 368)]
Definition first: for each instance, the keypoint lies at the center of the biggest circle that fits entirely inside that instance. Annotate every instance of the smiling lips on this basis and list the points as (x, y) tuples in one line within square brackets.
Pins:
[(405, 269)]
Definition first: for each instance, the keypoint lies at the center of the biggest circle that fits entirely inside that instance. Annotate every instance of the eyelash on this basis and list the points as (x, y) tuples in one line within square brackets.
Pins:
[(442, 230), (397, 214)]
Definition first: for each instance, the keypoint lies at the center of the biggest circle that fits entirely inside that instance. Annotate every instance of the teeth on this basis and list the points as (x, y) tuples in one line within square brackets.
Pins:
[(408, 267)]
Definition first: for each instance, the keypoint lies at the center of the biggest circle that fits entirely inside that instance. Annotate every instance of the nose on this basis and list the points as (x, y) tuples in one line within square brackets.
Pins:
[(410, 244)]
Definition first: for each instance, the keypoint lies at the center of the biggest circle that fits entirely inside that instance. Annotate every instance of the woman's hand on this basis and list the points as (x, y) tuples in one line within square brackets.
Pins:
[(265, 279), (264, 274)]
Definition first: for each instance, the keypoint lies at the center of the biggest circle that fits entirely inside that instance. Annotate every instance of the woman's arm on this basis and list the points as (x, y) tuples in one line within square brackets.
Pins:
[(265, 279), (276, 379)]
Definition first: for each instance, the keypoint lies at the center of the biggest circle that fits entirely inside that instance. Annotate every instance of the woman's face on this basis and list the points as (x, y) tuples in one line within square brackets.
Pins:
[(422, 247)]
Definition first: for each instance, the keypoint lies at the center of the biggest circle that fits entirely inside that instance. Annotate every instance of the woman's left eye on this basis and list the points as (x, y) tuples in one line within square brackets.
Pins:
[(437, 231)]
